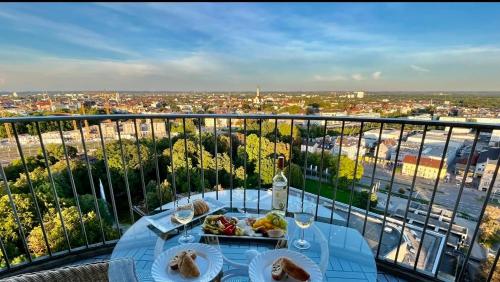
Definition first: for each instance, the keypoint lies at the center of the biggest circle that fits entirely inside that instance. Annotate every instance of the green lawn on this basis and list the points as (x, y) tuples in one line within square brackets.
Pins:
[(327, 191)]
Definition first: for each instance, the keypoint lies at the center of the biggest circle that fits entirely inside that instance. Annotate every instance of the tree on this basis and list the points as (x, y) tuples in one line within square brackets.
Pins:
[(25, 210), (55, 233), (490, 229), (284, 130), (55, 152), (266, 170), (296, 177), (485, 270)]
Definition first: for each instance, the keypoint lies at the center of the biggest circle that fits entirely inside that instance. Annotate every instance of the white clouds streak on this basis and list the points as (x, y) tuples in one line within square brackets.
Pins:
[(377, 75), (357, 76), (419, 68)]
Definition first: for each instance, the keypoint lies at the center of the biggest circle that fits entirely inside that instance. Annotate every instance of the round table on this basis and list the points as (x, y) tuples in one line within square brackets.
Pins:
[(340, 252)]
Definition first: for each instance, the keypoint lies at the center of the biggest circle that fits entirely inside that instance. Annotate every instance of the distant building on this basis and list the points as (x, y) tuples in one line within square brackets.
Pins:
[(484, 158), (360, 94), (428, 168), (350, 147), (487, 177)]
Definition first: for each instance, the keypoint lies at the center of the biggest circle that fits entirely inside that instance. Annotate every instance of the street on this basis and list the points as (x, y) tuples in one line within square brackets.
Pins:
[(446, 194)]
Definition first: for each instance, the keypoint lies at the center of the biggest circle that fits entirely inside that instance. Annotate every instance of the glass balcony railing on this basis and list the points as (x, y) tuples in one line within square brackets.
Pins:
[(76, 183)]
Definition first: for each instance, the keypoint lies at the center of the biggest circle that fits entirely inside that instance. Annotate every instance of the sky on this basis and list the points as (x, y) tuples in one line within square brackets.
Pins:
[(239, 46)]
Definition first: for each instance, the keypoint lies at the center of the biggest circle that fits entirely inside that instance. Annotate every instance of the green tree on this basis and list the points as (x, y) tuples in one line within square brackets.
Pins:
[(55, 233), (284, 130), (266, 170), (296, 177), (55, 152), (25, 209)]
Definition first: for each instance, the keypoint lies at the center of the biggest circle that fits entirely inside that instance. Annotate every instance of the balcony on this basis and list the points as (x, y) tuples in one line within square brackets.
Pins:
[(72, 185)]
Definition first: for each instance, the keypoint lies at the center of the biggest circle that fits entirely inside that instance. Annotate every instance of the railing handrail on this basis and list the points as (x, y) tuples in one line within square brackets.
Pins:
[(346, 118), (342, 122)]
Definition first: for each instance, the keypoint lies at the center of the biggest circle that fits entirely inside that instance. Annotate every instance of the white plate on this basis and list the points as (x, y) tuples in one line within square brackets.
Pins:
[(163, 222), (260, 267), (208, 259)]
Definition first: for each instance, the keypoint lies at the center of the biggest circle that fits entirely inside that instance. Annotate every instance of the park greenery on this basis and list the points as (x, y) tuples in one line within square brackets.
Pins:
[(214, 162)]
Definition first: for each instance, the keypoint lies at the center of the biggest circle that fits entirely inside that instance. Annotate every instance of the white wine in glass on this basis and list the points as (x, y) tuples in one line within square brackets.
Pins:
[(304, 217), (184, 213)]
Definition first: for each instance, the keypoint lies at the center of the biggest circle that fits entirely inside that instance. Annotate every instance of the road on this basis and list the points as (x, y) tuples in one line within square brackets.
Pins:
[(446, 195)]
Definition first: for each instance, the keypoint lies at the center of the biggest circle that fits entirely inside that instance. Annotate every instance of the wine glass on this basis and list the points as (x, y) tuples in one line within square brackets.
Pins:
[(184, 213), (304, 217)]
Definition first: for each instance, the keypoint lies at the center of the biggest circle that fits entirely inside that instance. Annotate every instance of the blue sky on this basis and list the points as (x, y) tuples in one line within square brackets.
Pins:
[(203, 46)]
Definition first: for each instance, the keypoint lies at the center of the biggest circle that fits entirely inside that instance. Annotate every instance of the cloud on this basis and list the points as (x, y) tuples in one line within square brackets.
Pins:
[(329, 78), (376, 75), (419, 69), (357, 76), (70, 33)]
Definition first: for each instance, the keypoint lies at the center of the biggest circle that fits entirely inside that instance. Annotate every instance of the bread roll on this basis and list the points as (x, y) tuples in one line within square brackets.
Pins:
[(200, 207), (294, 271), (188, 267), (277, 269)]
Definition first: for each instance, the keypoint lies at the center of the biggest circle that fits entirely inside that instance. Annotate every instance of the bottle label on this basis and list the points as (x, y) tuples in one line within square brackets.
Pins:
[(279, 197)]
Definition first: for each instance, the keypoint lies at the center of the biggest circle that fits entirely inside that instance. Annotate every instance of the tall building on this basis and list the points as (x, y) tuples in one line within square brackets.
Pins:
[(257, 101)]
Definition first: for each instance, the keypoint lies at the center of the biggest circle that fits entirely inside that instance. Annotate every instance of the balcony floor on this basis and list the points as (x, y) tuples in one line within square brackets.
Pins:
[(381, 277)]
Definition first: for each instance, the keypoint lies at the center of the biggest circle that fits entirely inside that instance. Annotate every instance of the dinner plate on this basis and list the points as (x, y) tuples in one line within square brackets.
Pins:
[(208, 259), (260, 268)]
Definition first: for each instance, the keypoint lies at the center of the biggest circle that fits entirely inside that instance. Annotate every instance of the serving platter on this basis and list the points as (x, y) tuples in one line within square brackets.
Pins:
[(283, 238), (163, 222)]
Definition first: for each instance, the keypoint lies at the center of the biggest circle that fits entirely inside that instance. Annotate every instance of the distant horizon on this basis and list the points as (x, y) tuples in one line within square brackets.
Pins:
[(227, 46), (392, 92)]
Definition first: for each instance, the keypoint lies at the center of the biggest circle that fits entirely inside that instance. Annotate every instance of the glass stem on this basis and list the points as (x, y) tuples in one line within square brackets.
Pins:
[(302, 237), (185, 230)]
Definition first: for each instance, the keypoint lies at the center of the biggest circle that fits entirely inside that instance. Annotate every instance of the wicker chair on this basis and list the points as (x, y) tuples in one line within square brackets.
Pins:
[(83, 273)]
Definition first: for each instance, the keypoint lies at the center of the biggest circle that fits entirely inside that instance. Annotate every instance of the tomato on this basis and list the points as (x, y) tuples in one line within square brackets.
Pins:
[(230, 229), (224, 221)]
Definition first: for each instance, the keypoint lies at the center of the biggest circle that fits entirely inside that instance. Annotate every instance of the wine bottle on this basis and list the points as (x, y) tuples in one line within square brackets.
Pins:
[(279, 189)]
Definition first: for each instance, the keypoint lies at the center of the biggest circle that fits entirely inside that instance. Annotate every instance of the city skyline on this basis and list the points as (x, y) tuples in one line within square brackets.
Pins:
[(235, 47)]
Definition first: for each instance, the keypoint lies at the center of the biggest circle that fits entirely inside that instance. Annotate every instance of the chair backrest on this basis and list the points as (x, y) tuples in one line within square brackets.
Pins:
[(97, 272)]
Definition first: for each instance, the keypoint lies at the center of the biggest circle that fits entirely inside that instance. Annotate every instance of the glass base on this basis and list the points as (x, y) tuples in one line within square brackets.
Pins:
[(185, 239), (301, 244)]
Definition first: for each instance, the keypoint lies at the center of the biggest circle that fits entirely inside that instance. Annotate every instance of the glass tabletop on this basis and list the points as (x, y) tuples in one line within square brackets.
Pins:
[(340, 252)]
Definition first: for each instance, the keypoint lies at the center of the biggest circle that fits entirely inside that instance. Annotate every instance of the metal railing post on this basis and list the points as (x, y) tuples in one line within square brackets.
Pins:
[(476, 231), (141, 169), (125, 173), (457, 202), (429, 210), (411, 190), (216, 161), (289, 165), (305, 162), (110, 182), (16, 215), (32, 190), (73, 186), (91, 180), (372, 179), (201, 161), (354, 175), (230, 166), (388, 200), (155, 152), (320, 170), (168, 127), (336, 187), (51, 178)]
